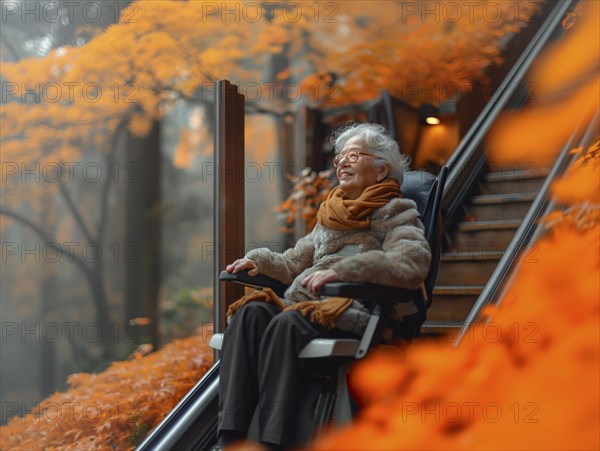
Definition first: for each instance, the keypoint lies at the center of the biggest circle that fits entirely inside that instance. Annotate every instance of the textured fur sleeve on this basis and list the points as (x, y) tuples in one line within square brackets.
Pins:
[(285, 267), (403, 260)]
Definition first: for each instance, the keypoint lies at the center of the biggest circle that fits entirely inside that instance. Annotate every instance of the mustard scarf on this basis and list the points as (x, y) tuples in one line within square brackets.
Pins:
[(338, 213)]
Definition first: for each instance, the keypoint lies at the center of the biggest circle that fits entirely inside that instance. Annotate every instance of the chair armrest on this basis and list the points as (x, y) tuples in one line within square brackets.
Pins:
[(258, 281), (216, 341), (368, 291)]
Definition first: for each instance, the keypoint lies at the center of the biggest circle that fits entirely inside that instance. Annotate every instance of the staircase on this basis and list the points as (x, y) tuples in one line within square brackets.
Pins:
[(477, 244)]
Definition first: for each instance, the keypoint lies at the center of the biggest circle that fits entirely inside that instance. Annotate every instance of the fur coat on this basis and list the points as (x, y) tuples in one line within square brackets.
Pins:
[(393, 251)]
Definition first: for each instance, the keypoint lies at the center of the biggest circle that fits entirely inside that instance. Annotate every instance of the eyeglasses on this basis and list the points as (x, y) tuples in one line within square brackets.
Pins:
[(352, 156)]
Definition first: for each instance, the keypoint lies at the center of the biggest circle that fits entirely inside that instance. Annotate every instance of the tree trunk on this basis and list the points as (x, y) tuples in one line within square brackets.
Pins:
[(141, 250)]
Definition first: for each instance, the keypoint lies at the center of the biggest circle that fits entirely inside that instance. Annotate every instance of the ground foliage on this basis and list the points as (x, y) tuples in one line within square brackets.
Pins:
[(114, 409)]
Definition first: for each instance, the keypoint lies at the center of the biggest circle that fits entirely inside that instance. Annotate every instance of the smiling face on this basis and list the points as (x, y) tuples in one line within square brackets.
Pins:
[(356, 177)]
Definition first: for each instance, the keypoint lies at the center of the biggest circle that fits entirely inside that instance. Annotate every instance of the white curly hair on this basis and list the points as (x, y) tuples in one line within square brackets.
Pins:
[(379, 143)]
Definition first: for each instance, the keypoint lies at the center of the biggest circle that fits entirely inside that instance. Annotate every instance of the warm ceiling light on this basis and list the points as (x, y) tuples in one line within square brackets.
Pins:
[(429, 114)]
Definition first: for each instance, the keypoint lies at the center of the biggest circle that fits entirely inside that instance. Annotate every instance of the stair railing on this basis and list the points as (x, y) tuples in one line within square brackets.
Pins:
[(528, 232), (467, 161), (192, 423)]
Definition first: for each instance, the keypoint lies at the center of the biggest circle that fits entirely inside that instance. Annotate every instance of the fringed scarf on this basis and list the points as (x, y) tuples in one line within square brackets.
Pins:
[(338, 213), (264, 295), (323, 312)]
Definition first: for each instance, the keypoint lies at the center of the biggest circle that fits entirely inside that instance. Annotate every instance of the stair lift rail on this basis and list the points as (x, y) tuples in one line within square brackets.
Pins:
[(529, 230), (467, 161)]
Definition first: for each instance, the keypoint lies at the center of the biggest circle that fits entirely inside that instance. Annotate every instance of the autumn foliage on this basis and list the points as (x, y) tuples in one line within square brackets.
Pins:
[(161, 52), (422, 52), (309, 191), (132, 72), (143, 67), (114, 409)]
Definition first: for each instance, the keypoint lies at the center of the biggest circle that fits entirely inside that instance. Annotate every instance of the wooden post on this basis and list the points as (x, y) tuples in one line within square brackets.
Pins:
[(228, 194)]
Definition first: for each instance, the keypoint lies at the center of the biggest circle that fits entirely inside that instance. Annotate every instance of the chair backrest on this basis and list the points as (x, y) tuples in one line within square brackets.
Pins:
[(420, 186), (427, 190)]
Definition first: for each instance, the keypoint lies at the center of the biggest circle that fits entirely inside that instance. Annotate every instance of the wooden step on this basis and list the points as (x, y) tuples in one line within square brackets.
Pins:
[(452, 303), (515, 181), (493, 207), (467, 268), (440, 331), (484, 236)]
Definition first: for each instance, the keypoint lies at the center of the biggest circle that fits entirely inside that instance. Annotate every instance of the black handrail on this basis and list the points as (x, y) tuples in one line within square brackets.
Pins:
[(466, 162)]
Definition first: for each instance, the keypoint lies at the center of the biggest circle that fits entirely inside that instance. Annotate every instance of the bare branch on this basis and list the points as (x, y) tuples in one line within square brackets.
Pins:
[(19, 217), (75, 211)]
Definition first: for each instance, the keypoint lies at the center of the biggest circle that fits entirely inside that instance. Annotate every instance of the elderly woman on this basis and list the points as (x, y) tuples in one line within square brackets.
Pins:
[(366, 232)]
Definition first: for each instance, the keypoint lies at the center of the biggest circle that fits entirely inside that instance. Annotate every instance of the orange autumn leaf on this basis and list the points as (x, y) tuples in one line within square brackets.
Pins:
[(571, 61), (284, 74), (537, 128), (579, 186), (567, 84), (141, 350), (140, 321)]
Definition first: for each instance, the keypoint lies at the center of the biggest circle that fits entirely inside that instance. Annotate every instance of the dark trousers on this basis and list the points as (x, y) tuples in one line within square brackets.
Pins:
[(260, 366)]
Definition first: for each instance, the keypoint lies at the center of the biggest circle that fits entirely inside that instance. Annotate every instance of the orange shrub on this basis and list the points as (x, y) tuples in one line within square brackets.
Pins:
[(114, 409)]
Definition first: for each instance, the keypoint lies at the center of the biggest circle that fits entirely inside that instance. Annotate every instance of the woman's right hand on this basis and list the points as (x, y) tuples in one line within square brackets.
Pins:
[(242, 264)]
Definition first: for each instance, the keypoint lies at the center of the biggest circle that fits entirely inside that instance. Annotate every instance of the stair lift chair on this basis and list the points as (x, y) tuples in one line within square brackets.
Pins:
[(334, 405)]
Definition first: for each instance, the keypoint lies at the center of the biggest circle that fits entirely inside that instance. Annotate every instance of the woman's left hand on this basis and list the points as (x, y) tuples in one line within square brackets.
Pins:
[(317, 279)]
